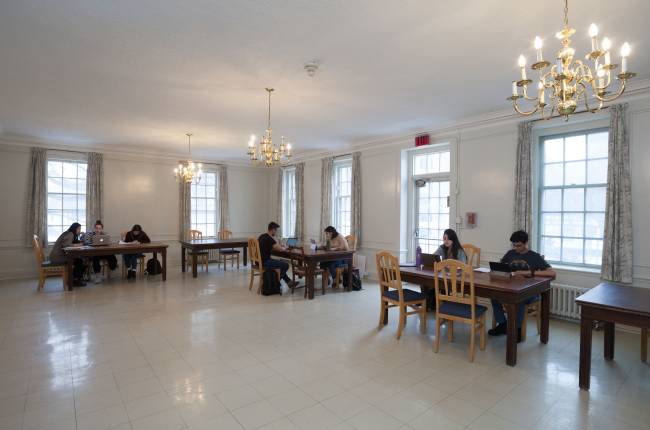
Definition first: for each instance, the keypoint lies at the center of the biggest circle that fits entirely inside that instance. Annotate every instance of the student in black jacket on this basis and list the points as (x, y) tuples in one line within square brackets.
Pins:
[(136, 235)]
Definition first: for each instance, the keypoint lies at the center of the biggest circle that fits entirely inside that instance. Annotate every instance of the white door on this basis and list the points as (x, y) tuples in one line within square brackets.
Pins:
[(431, 214)]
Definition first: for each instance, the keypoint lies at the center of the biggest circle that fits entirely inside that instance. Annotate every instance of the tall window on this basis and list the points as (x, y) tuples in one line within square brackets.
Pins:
[(431, 179), (66, 196), (573, 186), (288, 202), (342, 196), (204, 205)]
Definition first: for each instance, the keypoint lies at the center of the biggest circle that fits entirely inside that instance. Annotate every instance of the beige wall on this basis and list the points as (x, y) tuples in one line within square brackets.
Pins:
[(138, 190)]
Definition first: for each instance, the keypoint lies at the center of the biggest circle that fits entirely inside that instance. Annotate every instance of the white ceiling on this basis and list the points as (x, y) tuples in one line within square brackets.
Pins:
[(137, 75)]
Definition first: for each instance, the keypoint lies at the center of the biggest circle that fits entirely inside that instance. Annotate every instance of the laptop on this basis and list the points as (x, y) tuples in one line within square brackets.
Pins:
[(100, 240), (292, 242), (500, 270), (428, 260)]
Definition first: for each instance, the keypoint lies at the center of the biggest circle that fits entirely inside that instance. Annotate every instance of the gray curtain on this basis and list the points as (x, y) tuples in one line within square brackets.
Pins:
[(278, 212), (356, 197), (300, 201), (36, 211), (617, 246), (523, 178), (94, 189), (224, 208), (326, 194), (184, 209)]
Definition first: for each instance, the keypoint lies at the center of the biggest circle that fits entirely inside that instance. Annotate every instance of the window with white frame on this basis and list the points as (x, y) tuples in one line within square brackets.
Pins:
[(572, 196), (204, 205), (288, 202), (430, 199), (66, 196), (342, 195)]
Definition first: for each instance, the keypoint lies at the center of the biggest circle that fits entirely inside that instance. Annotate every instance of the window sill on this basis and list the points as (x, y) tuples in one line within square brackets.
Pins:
[(565, 268)]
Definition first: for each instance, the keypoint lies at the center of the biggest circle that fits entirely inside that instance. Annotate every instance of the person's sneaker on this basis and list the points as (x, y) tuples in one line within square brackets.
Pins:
[(78, 283), (499, 330), (292, 284), (97, 279)]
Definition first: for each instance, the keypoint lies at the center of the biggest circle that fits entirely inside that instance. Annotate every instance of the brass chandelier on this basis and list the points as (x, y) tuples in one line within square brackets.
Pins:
[(189, 171), (266, 151), (569, 81)]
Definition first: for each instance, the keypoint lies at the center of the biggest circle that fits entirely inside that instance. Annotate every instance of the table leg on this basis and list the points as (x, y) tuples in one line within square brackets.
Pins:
[(183, 262), (68, 285), (164, 264), (586, 326), (309, 280), (245, 255), (511, 341), (609, 340), (644, 345), (350, 267), (194, 272), (546, 310)]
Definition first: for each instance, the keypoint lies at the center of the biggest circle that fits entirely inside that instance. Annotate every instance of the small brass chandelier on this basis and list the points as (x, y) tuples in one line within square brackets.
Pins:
[(569, 81), (189, 171), (267, 152)]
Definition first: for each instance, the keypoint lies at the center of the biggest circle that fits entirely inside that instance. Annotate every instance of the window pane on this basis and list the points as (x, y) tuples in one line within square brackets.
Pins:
[(445, 161), (69, 186), (573, 225), (596, 199), (55, 168), (200, 191), (598, 145), (593, 252), (69, 170), (69, 201), (444, 189), (210, 192), (210, 179), (69, 217), (419, 164), (54, 217), (54, 201), (54, 185), (553, 175), (210, 230), (211, 205), (574, 199), (81, 202), (572, 250), (81, 186), (597, 172), (82, 170), (53, 232), (443, 221), (574, 173), (552, 224), (553, 150), (594, 225), (551, 200), (201, 205), (210, 217), (551, 247), (575, 148)]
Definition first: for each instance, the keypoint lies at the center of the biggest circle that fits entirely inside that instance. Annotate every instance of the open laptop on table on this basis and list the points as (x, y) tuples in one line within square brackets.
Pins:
[(100, 240), (292, 242)]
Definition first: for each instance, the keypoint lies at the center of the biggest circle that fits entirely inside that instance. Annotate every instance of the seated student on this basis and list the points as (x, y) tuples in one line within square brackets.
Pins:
[(111, 260), (523, 262), (451, 247), (70, 237), (136, 235), (335, 242), (267, 245)]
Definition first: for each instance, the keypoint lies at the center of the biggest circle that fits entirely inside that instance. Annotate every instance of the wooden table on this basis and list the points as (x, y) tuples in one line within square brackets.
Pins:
[(510, 292), (197, 245), (74, 252), (311, 260), (610, 304)]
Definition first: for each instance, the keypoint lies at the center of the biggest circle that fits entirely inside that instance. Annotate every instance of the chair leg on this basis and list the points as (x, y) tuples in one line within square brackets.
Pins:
[(250, 284), (644, 345), (338, 278), (472, 341), (450, 331), (423, 317), (382, 313), (436, 341), (41, 280), (323, 283), (482, 335), (402, 321), (237, 261)]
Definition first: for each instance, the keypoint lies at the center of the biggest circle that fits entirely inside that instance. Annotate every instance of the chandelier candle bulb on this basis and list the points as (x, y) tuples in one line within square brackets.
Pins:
[(625, 52), (593, 33), (514, 88), (607, 44), (522, 64), (538, 48)]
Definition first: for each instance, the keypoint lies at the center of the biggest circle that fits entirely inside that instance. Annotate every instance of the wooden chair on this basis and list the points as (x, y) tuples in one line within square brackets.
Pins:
[(140, 260), (352, 244), (227, 254), (473, 254), (453, 303), (202, 257), (393, 295), (257, 268), (45, 268), (298, 269)]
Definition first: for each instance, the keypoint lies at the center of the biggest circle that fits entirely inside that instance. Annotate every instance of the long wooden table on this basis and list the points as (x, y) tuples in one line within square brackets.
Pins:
[(197, 245), (610, 304), (74, 252), (510, 292), (311, 260)]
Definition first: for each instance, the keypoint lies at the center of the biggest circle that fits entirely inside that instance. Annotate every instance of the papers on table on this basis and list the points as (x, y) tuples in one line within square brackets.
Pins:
[(482, 270)]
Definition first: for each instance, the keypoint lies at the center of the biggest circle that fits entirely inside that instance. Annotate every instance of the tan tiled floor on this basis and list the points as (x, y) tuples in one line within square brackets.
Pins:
[(208, 354)]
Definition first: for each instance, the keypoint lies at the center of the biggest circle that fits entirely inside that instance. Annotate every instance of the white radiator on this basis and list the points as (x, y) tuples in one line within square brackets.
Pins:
[(563, 301)]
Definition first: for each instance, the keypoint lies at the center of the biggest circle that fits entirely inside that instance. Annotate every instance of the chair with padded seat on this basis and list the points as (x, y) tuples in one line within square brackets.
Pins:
[(203, 256), (473, 254), (47, 269), (299, 270), (393, 295), (227, 254), (456, 301), (352, 244), (257, 268)]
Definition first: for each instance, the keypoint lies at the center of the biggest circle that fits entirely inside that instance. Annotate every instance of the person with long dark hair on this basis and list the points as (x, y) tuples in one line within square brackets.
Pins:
[(451, 247), (70, 237), (335, 242), (136, 235)]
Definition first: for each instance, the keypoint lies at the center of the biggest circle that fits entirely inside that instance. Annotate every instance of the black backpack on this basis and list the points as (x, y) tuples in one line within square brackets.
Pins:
[(154, 267), (270, 283), (356, 280)]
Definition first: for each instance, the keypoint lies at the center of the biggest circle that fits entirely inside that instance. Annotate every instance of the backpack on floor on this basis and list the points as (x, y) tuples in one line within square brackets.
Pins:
[(270, 283), (356, 280), (154, 267)]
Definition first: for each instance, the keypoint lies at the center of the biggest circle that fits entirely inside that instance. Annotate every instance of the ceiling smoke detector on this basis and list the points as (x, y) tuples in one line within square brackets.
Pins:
[(311, 67)]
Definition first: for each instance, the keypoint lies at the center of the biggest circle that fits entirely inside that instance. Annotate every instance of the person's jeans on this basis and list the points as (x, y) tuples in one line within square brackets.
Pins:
[(500, 316), (278, 264), (131, 261), (111, 260), (332, 266)]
